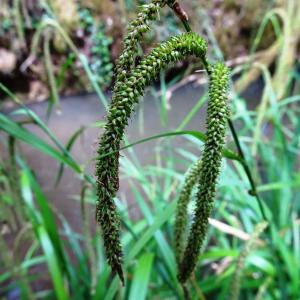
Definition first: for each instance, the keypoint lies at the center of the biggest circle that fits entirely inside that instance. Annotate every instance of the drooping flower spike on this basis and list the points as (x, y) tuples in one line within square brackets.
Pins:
[(181, 219), (107, 168), (217, 118), (130, 84)]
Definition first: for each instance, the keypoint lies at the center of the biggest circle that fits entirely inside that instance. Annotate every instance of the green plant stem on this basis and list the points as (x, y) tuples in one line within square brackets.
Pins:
[(54, 97), (88, 239), (253, 191), (19, 22)]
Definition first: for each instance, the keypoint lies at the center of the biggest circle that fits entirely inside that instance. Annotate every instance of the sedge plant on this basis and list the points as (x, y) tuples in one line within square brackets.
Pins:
[(130, 84), (223, 270)]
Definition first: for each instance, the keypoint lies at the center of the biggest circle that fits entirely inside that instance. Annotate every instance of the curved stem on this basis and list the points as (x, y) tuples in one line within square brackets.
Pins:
[(253, 190)]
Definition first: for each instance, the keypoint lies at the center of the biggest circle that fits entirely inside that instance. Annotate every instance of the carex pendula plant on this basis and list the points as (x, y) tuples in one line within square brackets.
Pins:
[(130, 84)]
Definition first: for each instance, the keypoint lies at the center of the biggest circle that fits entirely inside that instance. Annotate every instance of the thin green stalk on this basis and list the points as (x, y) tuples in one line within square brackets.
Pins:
[(88, 240), (13, 179), (19, 22), (253, 191), (237, 276), (10, 262), (52, 23), (50, 72)]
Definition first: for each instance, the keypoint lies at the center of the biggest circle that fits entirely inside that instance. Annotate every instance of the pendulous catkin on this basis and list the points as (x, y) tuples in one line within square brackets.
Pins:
[(130, 83), (217, 117), (175, 49), (181, 218)]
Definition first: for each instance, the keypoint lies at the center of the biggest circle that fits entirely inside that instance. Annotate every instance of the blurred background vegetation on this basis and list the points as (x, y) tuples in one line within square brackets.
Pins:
[(30, 49), (50, 247)]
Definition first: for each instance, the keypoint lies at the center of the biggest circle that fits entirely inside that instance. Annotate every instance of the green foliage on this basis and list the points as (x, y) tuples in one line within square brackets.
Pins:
[(250, 244), (75, 271), (265, 275), (86, 19), (5, 25), (100, 60)]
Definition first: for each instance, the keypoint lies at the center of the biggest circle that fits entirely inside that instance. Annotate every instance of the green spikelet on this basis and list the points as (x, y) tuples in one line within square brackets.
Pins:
[(126, 96), (181, 218), (250, 244), (135, 30), (217, 117)]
